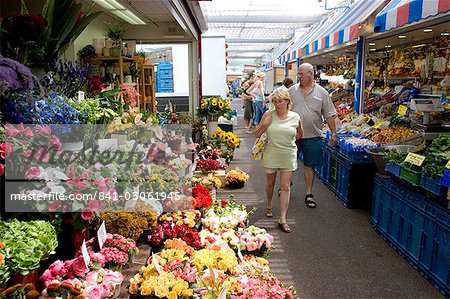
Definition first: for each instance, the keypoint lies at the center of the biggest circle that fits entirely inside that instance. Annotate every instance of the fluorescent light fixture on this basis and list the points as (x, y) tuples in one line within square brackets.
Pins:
[(418, 46), (371, 44), (128, 16), (373, 49), (387, 46), (445, 34), (427, 30), (402, 36), (119, 10), (109, 4)]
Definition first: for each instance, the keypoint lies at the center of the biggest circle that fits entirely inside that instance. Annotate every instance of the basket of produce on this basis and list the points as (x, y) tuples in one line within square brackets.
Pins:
[(398, 135), (393, 154)]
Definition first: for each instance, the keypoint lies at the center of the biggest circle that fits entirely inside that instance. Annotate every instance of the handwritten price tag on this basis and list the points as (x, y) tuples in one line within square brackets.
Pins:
[(448, 164), (223, 293), (80, 96), (415, 159), (86, 257), (156, 264), (241, 257), (101, 234), (402, 109)]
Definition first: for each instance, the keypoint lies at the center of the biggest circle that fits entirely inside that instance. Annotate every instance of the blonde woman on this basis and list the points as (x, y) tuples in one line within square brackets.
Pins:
[(257, 90), (283, 127)]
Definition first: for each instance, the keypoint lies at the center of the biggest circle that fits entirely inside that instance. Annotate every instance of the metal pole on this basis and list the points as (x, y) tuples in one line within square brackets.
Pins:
[(360, 74)]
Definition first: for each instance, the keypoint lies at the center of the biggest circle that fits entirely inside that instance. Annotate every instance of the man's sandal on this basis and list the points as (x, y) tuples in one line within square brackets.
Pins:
[(309, 201), (269, 212), (284, 227)]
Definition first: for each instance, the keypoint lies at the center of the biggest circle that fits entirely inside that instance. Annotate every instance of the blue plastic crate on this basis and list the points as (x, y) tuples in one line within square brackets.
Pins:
[(393, 168), (164, 90), (433, 185), (161, 73), (164, 82), (446, 178), (416, 228)]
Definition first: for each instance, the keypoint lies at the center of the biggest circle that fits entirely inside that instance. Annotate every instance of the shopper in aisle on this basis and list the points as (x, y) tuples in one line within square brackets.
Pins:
[(283, 127), (247, 98), (257, 90), (313, 103), (287, 82)]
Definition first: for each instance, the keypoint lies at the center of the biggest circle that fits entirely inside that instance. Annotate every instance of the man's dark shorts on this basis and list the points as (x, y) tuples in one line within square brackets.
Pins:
[(312, 149)]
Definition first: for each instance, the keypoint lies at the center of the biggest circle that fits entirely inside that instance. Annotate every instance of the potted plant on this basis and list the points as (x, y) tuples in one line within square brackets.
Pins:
[(115, 33)]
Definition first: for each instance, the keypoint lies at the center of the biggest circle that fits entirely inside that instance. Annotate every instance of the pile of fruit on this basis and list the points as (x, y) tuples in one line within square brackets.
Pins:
[(394, 134)]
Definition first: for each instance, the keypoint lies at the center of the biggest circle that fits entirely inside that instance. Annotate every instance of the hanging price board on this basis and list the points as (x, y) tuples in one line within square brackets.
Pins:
[(415, 159), (402, 109)]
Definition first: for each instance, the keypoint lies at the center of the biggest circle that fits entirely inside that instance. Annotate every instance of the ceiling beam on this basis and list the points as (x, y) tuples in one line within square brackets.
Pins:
[(244, 57), (257, 40), (306, 20)]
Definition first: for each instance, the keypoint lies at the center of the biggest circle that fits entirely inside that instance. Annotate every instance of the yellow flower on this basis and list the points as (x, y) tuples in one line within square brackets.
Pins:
[(161, 291), (221, 104), (188, 293), (147, 288), (214, 102), (172, 295)]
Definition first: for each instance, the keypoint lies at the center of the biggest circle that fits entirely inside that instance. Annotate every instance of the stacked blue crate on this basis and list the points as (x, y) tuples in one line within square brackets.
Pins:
[(416, 228), (164, 77)]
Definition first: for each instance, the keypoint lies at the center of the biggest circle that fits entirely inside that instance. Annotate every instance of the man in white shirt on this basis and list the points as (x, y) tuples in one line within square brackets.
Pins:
[(313, 103)]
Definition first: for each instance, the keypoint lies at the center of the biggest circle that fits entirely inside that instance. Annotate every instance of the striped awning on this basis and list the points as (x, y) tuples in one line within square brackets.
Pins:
[(345, 27), (400, 12)]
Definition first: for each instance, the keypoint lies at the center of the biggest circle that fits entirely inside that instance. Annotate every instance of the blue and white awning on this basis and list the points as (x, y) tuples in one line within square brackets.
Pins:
[(345, 27), (401, 12)]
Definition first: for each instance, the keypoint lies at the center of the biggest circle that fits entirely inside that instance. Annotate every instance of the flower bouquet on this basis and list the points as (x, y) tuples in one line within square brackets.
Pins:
[(210, 153), (227, 139), (212, 108), (251, 264), (219, 238), (264, 285), (210, 183), (20, 291), (168, 230), (254, 240), (225, 215), (129, 225), (209, 165), (217, 258), (190, 218), (236, 178)]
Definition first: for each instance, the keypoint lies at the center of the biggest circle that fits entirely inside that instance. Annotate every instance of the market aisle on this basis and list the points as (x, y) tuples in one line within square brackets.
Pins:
[(333, 251)]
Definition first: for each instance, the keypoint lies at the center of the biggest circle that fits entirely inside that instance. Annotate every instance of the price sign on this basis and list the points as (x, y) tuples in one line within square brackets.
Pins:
[(402, 109), (448, 164), (101, 234), (415, 159), (241, 257), (80, 96), (223, 293), (156, 264), (86, 257)]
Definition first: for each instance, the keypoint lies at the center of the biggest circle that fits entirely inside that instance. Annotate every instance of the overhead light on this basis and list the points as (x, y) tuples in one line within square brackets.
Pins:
[(373, 49), (371, 44), (418, 46), (109, 4), (427, 30), (387, 46), (402, 36), (128, 16), (445, 34), (119, 10)]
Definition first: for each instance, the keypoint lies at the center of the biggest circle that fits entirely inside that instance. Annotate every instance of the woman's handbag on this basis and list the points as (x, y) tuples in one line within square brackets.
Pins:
[(258, 147)]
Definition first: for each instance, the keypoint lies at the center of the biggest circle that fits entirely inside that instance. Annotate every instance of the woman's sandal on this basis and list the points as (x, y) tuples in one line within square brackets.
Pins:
[(284, 227), (309, 201), (269, 212)]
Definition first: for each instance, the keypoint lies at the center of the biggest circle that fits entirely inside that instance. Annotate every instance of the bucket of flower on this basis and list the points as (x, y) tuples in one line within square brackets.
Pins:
[(236, 178)]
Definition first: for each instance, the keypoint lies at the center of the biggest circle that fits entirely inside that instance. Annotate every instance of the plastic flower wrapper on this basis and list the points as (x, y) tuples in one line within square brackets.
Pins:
[(222, 214)]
